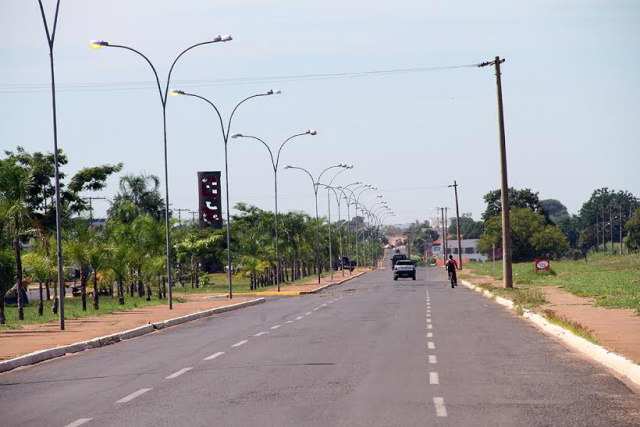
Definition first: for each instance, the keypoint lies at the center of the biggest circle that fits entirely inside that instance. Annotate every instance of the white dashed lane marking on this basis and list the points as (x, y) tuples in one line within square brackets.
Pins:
[(299, 317), (238, 344), (429, 326), (429, 334), (260, 334), (433, 359), (79, 422), (178, 373), (133, 395), (431, 345), (441, 410), (214, 355), (275, 327), (433, 378), (307, 313), (289, 321)]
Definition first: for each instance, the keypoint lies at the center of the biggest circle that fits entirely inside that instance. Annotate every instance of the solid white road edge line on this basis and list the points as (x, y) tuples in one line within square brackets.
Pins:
[(432, 359), (441, 411), (238, 344), (178, 373), (433, 378), (79, 422), (214, 355), (133, 395)]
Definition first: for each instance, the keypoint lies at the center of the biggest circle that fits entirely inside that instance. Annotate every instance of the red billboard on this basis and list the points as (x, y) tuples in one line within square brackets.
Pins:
[(210, 202)]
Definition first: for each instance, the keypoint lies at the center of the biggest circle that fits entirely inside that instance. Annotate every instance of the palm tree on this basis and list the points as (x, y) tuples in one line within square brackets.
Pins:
[(139, 195), (14, 190), (77, 249), (43, 269)]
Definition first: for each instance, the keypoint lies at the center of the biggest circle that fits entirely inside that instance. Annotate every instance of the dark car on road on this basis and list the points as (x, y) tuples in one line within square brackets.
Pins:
[(396, 258)]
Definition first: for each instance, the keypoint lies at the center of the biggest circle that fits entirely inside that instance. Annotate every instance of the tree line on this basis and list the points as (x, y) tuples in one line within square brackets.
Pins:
[(126, 257)]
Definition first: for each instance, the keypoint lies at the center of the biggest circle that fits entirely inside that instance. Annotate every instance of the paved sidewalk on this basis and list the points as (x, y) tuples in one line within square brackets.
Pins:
[(617, 329), (30, 338)]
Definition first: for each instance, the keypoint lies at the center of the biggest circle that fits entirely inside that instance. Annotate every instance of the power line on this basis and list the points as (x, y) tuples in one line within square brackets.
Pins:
[(234, 81)]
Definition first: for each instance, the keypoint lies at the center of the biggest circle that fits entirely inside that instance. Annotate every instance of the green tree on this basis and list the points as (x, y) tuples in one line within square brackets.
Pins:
[(139, 195), (555, 209), (517, 199), (633, 229), (7, 275), (528, 233), (469, 229)]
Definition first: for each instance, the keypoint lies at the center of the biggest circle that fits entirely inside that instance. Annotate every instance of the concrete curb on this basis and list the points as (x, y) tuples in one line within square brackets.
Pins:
[(611, 360), (52, 353), (328, 285)]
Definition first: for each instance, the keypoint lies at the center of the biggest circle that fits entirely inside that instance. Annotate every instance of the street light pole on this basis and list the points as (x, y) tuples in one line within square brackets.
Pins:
[(275, 162), (51, 35), (346, 167), (316, 184), (225, 137), (97, 44), (504, 189)]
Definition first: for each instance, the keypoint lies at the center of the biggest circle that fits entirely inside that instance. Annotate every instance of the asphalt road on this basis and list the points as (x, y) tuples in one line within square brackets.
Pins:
[(371, 352)]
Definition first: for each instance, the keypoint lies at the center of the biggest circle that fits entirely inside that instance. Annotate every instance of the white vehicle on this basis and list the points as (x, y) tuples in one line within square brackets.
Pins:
[(404, 268)]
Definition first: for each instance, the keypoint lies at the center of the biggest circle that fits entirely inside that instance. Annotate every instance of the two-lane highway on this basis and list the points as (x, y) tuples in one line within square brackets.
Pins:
[(371, 352)]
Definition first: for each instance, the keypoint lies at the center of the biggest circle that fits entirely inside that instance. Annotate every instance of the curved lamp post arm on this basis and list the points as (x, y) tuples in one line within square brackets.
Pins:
[(163, 98), (309, 132), (214, 107), (216, 40), (271, 92), (273, 163), (315, 186), (329, 168)]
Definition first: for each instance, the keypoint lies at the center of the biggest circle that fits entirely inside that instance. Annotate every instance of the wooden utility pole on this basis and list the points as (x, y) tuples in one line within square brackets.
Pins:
[(507, 275), (442, 239), (604, 239), (455, 189), (446, 231), (620, 230), (597, 233), (613, 250)]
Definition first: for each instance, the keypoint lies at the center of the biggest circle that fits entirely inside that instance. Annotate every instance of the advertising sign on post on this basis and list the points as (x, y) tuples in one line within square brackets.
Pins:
[(210, 203), (542, 265)]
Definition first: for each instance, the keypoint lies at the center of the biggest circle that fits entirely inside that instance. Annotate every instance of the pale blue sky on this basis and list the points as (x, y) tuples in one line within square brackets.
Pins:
[(571, 93)]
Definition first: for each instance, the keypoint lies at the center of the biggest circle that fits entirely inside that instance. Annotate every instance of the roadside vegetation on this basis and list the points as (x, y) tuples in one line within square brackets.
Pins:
[(121, 263), (611, 280)]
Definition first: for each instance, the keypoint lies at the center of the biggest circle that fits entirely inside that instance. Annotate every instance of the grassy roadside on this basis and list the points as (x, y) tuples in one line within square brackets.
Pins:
[(73, 309), (612, 281), (219, 284)]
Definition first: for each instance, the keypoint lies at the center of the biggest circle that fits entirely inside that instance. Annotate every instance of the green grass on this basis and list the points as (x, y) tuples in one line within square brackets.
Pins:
[(611, 280), (575, 327), (219, 284), (73, 309)]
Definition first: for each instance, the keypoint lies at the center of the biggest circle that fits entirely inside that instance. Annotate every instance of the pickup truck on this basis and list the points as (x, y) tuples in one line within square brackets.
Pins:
[(404, 268)]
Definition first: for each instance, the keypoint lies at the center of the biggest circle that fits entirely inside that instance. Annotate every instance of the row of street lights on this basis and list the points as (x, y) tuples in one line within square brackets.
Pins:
[(352, 199)]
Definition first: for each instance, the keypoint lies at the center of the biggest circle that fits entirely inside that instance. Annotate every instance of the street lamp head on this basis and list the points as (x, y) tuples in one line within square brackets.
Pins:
[(97, 44), (274, 92), (224, 38), (312, 132), (175, 93), (287, 167), (237, 135)]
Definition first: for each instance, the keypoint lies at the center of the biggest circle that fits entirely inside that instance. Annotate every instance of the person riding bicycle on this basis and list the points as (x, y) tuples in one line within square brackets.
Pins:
[(451, 266)]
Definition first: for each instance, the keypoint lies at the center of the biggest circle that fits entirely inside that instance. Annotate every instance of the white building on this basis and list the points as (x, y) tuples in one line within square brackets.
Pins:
[(469, 250)]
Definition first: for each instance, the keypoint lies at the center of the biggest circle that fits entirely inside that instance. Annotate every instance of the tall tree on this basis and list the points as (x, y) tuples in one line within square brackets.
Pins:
[(517, 198), (139, 195), (555, 209)]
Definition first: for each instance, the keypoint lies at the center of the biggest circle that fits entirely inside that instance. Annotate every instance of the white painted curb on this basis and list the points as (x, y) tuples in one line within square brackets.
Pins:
[(328, 285), (611, 360), (52, 353)]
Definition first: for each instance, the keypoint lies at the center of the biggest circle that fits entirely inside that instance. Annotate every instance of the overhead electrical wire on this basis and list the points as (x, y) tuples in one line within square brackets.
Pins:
[(233, 81)]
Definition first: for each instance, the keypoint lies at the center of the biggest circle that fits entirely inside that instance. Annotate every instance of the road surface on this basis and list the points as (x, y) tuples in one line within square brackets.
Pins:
[(371, 352)]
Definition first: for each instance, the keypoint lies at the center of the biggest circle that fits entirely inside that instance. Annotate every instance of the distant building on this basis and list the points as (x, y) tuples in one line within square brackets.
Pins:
[(469, 249)]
